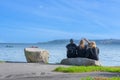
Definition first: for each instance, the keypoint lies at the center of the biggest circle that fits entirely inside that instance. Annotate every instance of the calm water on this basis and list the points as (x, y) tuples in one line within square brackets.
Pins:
[(109, 53)]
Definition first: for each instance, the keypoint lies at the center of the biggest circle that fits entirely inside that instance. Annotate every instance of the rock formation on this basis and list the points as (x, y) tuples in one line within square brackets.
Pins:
[(80, 62), (36, 55)]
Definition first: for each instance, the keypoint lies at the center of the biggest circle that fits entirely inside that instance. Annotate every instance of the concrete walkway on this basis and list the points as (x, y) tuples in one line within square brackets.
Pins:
[(36, 71)]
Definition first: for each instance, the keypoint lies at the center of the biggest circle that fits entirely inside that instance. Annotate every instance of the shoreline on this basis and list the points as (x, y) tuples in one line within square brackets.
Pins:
[(50, 63), (37, 71)]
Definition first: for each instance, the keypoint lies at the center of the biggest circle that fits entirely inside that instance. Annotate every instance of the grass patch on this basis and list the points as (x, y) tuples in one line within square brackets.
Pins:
[(2, 61), (77, 69), (100, 78), (115, 78)]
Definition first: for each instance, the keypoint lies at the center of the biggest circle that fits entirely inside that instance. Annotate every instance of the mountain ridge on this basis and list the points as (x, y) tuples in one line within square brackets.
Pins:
[(101, 41)]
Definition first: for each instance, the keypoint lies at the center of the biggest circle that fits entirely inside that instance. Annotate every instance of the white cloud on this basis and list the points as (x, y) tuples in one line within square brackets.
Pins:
[(70, 12), (67, 34)]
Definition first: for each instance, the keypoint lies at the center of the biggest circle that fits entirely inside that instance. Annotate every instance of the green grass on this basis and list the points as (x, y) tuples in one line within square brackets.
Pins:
[(100, 78), (80, 69), (2, 61), (87, 78), (115, 78)]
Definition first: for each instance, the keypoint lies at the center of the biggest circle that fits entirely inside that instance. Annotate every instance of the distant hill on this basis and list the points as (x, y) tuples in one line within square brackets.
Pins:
[(109, 41), (65, 41), (58, 41)]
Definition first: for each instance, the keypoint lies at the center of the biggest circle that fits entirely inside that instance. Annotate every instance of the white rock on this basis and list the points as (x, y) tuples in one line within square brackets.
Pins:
[(36, 55)]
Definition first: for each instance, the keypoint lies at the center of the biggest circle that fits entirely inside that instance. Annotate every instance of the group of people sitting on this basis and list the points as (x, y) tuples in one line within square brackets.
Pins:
[(83, 50)]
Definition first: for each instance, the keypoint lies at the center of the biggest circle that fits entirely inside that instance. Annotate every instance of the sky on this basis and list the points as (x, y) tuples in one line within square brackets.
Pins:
[(27, 21)]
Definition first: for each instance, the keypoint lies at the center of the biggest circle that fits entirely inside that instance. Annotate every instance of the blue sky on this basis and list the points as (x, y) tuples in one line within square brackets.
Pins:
[(44, 20)]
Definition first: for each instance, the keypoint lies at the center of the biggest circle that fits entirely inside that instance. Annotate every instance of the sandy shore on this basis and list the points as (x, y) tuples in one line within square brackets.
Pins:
[(36, 71)]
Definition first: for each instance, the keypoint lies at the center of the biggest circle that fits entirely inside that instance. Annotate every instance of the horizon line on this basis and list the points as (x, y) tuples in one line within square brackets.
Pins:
[(50, 41)]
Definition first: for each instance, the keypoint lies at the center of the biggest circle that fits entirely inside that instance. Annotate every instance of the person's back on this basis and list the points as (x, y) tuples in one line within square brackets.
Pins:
[(81, 49), (71, 49), (93, 52)]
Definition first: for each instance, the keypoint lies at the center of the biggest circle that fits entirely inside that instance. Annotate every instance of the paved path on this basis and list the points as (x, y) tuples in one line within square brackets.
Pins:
[(36, 71)]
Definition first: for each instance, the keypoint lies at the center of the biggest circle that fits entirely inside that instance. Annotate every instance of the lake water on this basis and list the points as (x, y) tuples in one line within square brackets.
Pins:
[(109, 53)]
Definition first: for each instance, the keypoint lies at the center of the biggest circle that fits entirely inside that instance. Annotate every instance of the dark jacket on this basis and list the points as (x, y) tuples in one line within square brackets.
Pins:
[(93, 53), (81, 52), (71, 50)]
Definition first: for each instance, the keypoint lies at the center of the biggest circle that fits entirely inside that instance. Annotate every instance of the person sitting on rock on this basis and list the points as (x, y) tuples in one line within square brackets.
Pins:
[(71, 49), (93, 51), (81, 49)]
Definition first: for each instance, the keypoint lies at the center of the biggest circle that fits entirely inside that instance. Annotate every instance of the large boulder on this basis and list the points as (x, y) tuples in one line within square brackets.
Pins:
[(80, 62), (36, 55)]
